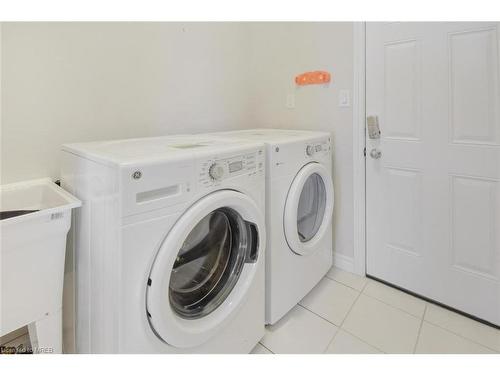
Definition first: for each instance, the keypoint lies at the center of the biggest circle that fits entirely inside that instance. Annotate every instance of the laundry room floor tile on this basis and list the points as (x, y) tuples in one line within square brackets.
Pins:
[(383, 326), (463, 326), (347, 278), (330, 300), (260, 349), (434, 339), (396, 298), (300, 331), (349, 314), (345, 343)]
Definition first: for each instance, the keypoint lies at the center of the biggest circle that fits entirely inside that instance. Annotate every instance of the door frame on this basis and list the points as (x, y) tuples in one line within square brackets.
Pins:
[(359, 147)]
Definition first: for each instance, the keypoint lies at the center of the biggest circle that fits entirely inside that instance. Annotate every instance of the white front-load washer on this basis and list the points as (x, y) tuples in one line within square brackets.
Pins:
[(299, 210), (169, 244)]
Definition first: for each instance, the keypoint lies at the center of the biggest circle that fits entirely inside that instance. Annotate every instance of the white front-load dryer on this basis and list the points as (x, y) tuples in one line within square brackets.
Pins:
[(169, 244), (300, 199)]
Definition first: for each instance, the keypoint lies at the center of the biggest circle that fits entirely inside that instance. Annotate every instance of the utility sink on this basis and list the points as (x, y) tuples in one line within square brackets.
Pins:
[(35, 220)]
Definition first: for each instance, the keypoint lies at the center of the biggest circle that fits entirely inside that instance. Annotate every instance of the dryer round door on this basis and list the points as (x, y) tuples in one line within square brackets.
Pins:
[(308, 208), (204, 268)]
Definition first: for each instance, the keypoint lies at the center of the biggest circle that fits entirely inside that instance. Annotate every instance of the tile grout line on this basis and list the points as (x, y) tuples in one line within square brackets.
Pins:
[(344, 284), (348, 312), (326, 320), (364, 342), (345, 317), (423, 317), (343, 321), (350, 309), (331, 340), (339, 327), (266, 347), (457, 333), (319, 316), (419, 330), (462, 337), (427, 321), (364, 286), (395, 307), (366, 295), (434, 324)]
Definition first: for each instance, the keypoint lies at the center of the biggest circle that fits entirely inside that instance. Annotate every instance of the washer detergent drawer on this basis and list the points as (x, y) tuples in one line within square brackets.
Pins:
[(154, 186)]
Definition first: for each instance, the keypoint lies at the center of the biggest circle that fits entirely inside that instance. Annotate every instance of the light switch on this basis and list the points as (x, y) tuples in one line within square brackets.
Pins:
[(344, 98)]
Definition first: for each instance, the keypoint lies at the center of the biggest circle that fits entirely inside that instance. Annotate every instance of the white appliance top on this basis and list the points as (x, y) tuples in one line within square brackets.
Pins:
[(274, 135), (135, 150)]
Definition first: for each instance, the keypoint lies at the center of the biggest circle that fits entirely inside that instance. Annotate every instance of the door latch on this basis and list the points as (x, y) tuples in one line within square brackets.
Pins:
[(373, 127)]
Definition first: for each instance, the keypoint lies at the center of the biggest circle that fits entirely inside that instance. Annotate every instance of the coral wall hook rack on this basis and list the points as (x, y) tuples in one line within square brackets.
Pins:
[(317, 77)]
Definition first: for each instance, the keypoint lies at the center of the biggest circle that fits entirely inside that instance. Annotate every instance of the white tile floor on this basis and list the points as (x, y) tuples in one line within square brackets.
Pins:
[(347, 313)]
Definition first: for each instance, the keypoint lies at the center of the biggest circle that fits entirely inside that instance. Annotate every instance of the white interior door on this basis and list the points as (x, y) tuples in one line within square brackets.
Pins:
[(433, 195)]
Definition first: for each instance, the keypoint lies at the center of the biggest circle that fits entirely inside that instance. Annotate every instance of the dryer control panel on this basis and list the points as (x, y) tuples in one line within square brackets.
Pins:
[(214, 170), (313, 148)]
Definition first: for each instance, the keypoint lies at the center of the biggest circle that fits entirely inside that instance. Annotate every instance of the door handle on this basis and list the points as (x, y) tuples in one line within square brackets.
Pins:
[(375, 153)]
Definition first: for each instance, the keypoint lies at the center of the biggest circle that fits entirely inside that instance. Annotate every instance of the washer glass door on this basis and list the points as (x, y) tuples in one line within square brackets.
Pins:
[(208, 264), (311, 209), (204, 268)]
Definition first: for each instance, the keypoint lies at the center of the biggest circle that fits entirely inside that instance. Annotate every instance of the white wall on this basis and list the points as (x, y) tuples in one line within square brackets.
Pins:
[(280, 51), (69, 82), (74, 82)]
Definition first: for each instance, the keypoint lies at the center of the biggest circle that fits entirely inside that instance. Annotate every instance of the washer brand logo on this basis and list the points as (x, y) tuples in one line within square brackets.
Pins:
[(137, 175), (56, 216)]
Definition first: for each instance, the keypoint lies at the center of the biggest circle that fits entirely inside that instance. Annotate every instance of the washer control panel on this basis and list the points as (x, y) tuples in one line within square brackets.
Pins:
[(314, 148), (215, 170)]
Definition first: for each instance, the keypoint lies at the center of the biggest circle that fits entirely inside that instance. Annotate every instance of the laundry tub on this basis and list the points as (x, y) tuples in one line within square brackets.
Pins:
[(35, 219)]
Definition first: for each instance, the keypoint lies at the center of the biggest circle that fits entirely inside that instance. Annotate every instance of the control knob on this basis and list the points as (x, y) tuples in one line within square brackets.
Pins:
[(310, 150), (216, 171)]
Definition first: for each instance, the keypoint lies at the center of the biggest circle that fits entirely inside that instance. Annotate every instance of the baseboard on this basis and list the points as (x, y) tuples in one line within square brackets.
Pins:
[(343, 262)]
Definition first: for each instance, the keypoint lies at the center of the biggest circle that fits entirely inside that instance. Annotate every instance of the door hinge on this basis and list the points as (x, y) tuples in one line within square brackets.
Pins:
[(364, 152)]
